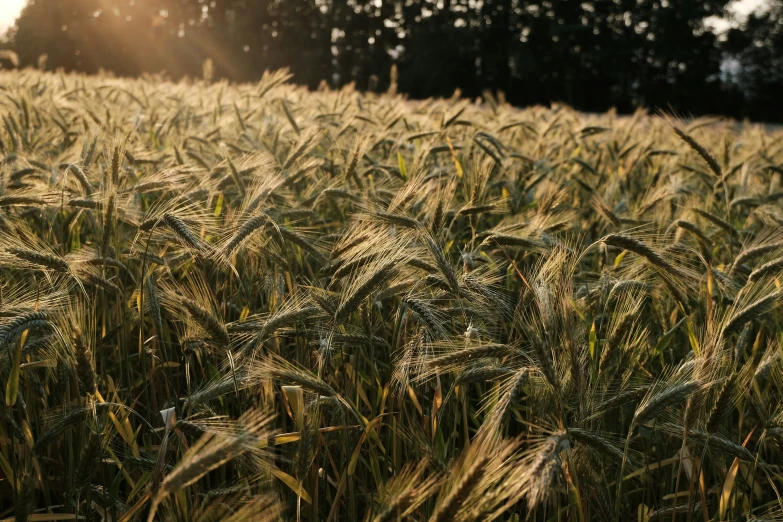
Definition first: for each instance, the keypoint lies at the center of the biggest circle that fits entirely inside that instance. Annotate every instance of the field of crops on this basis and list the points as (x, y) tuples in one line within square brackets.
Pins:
[(254, 302)]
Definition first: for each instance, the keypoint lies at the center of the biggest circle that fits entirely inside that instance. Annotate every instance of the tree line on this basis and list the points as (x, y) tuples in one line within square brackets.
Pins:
[(592, 54)]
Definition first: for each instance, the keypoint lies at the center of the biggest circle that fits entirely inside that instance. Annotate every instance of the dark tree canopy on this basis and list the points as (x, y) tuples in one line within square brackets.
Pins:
[(592, 54)]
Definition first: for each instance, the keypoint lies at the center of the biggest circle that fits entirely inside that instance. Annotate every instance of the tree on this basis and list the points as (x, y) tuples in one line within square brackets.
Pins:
[(591, 54), (755, 62)]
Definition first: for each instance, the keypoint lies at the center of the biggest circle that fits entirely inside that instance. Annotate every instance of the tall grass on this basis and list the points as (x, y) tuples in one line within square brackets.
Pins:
[(254, 302)]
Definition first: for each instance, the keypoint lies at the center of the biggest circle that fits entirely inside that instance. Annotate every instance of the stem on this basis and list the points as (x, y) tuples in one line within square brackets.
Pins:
[(622, 472), (141, 322)]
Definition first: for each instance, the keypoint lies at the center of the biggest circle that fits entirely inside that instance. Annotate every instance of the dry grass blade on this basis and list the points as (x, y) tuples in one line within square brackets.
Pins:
[(40, 259), (668, 396), (182, 231), (211, 451), (249, 227), (700, 150), (443, 264), (738, 318), (406, 492), (450, 504), (720, 406), (769, 268), (597, 442), (750, 253), (16, 326), (363, 285), (208, 321), (275, 367), (470, 354), (637, 247), (544, 470)]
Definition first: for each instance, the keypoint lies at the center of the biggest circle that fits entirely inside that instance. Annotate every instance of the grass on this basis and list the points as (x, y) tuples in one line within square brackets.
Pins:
[(254, 302)]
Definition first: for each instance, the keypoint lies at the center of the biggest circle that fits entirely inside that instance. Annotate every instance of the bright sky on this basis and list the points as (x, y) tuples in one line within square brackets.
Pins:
[(741, 9), (9, 10)]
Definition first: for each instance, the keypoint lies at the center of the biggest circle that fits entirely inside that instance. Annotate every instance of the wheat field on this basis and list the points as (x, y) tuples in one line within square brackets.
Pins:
[(255, 302)]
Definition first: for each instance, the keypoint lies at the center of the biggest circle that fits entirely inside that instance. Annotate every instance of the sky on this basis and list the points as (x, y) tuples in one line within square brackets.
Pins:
[(9, 10), (741, 9)]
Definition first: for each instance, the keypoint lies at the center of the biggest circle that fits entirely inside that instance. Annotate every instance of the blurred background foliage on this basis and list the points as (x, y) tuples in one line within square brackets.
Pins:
[(592, 55)]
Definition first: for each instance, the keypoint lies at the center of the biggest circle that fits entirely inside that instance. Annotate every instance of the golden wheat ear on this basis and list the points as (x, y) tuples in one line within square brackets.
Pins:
[(211, 451)]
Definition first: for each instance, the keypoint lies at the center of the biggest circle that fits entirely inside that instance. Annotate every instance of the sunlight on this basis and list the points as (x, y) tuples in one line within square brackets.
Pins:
[(745, 7), (9, 10)]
